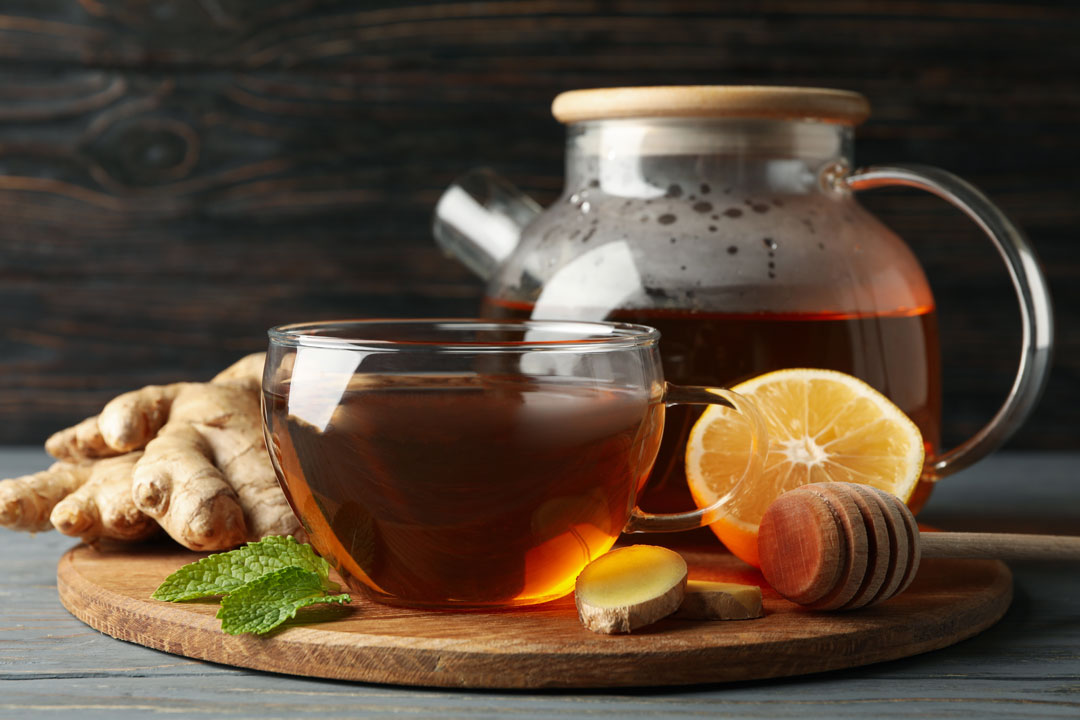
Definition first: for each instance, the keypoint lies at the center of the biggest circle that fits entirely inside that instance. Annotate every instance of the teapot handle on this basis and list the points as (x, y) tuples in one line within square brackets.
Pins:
[(1036, 314)]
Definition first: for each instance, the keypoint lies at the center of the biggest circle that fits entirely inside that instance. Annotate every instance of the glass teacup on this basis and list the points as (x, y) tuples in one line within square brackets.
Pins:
[(472, 463)]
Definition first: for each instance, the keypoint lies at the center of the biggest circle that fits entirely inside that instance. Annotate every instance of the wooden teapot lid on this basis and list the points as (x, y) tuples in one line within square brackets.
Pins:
[(706, 101)]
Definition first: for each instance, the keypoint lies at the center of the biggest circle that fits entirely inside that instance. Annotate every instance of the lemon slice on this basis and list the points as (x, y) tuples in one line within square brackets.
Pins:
[(824, 426)]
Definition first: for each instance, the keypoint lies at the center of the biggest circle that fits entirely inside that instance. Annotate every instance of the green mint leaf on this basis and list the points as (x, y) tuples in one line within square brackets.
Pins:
[(223, 573), (263, 604)]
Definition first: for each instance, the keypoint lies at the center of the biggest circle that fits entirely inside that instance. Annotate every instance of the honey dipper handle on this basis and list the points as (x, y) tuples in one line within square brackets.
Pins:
[(1003, 546)]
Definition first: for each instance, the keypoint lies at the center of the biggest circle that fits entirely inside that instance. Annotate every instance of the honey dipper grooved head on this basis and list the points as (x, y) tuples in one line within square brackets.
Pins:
[(833, 546)]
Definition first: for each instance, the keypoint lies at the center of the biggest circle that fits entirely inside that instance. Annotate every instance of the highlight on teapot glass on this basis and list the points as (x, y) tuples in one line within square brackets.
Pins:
[(725, 217)]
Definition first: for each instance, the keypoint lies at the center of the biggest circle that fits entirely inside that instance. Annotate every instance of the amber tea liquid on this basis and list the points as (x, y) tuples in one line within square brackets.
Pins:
[(471, 491), (896, 354)]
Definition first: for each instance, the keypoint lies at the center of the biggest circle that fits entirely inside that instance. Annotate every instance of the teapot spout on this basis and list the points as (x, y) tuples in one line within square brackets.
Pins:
[(479, 220)]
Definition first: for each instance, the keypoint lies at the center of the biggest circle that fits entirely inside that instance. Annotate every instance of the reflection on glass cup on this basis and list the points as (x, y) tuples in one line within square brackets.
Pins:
[(471, 463)]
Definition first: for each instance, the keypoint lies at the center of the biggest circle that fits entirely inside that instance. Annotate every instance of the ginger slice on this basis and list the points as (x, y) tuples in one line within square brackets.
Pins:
[(630, 588), (709, 600)]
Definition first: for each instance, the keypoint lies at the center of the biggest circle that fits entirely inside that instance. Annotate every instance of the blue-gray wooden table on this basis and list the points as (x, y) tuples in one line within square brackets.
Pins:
[(1028, 665)]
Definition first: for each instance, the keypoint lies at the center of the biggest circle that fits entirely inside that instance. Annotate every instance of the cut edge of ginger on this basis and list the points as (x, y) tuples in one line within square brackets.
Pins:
[(629, 588), (714, 600), (638, 585)]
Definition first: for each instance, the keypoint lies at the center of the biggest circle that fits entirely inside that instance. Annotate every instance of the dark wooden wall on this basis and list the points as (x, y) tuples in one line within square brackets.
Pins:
[(177, 175)]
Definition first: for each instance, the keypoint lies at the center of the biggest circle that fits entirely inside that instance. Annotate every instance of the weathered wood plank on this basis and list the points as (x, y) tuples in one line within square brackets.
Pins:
[(1026, 666), (290, 33), (177, 176)]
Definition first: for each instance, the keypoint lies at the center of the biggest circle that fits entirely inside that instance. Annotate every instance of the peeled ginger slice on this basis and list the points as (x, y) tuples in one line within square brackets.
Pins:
[(709, 600), (630, 588)]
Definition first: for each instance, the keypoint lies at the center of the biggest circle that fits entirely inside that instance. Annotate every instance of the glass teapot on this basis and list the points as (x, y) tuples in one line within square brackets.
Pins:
[(725, 217)]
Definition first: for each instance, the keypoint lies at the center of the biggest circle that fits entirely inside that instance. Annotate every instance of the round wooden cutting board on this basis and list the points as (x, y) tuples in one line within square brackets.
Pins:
[(543, 646)]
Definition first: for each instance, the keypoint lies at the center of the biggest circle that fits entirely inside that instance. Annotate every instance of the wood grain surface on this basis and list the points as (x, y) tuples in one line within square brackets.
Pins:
[(1026, 666), (176, 176), (543, 646)]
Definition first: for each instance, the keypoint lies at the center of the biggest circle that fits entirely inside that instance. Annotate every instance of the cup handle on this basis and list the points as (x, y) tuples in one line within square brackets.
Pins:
[(641, 521), (1036, 314)]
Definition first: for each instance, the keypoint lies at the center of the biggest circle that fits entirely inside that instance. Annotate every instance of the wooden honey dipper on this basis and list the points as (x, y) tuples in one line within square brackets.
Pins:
[(840, 546)]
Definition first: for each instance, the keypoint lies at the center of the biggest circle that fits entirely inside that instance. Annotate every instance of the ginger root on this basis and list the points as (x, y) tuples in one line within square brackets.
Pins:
[(206, 477), (629, 588), (189, 455), (709, 600), (127, 423), (103, 507), (79, 442), (25, 502)]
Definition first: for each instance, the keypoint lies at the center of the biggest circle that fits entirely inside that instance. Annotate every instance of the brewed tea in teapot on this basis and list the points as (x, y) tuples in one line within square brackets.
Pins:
[(725, 217)]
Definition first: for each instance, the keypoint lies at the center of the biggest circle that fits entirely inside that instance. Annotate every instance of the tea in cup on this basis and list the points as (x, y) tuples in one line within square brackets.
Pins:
[(461, 463)]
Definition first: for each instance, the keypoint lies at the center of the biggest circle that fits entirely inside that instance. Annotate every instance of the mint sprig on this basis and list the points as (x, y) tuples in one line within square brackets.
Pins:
[(263, 584), (222, 573), (263, 604)]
